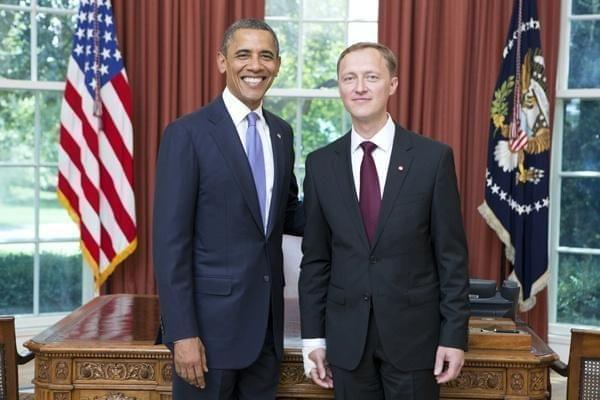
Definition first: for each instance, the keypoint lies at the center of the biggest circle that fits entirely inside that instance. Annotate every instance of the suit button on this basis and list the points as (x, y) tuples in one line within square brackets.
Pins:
[(266, 278), (373, 260), (366, 296)]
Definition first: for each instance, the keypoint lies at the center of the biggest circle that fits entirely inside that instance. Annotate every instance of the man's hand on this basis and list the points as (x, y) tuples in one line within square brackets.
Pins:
[(321, 375), (190, 361), (451, 358)]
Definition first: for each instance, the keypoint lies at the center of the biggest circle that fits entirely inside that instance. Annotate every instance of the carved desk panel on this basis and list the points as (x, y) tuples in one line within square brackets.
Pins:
[(105, 351)]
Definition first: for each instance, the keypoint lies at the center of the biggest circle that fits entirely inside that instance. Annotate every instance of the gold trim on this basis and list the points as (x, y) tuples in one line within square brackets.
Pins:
[(99, 277)]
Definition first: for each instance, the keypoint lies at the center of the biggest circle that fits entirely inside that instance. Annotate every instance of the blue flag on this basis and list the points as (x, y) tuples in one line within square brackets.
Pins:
[(518, 165)]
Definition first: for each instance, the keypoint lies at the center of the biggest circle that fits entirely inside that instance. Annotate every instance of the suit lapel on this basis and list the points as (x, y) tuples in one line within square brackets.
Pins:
[(400, 161), (342, 169), (278, 166), (226, 136)]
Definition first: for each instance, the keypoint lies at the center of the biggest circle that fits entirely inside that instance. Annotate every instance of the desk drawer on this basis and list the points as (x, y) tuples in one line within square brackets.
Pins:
[(111, 395)]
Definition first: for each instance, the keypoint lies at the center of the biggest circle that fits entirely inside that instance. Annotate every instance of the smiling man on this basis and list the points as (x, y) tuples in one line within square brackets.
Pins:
[(225, 194), (383, 286)]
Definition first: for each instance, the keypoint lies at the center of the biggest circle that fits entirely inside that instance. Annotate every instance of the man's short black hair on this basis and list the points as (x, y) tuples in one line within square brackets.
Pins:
[(247, 23)]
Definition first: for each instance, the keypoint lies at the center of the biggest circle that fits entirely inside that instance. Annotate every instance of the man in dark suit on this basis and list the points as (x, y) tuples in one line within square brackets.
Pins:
[(225, 194), (384, 285)]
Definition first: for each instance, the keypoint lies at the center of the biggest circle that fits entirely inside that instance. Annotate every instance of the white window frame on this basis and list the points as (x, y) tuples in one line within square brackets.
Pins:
[(28, 325), (559, 333), (300, 93)]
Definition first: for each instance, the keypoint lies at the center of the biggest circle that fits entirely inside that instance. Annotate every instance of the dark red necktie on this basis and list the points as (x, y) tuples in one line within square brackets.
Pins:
[(370, 195)]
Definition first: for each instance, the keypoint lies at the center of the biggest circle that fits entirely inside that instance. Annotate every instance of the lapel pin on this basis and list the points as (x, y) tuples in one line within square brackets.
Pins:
[(400, 167), (279, 136)]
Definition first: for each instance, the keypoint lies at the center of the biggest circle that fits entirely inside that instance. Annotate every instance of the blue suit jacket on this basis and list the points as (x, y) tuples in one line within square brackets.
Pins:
[(218, 272)]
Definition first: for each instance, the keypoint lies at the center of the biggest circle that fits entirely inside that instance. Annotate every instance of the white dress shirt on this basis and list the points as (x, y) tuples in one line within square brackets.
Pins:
[(384, 139), (238, 112)]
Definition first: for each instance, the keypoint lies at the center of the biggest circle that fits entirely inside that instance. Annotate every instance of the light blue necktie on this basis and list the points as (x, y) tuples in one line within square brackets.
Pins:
[(256, 159)]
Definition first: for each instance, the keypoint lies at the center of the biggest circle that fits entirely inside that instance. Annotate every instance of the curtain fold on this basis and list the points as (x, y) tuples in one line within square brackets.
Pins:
[(449, 56), (169, 48)]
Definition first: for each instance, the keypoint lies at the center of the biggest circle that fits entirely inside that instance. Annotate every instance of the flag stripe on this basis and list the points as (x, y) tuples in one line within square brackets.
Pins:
[(123, 219), (107, 245), (121, 155), (121, 89), (65, 188)]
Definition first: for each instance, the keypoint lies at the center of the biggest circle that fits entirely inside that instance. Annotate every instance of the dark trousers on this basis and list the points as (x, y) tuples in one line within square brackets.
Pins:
[(376, 378), (258, 381)]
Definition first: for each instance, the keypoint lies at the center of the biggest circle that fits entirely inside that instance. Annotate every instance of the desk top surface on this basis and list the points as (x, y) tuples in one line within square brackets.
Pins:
[(125, 320)]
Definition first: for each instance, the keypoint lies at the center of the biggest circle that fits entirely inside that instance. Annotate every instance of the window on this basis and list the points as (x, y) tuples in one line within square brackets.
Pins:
[(312, 34), (40, 261), (575, 189)]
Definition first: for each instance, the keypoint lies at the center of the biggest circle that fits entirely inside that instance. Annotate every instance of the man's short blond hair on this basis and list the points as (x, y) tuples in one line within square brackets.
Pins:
[(388, 55)]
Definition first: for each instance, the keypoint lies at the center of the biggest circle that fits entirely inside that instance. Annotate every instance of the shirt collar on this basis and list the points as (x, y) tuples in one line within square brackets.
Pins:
[(238, 110), (384, 138)]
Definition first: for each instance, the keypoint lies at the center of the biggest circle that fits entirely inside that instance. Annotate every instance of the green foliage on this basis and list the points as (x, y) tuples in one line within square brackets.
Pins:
[(323, 42), (16, 284), (15, 33), (499, 107), (16, 126), (282, 8), (287, 34), (578, 298), (586, 6), (581, 140), (60, 282), (580, 212), (584, 51)]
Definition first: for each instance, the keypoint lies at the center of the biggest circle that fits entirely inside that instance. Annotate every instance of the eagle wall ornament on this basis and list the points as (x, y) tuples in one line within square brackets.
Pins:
[(532, 119)]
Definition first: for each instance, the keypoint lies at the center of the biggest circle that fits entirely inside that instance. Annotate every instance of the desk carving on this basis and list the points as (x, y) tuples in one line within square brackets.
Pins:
[(104, 351)]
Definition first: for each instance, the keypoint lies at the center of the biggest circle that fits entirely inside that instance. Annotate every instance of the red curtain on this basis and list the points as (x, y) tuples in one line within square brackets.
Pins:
[(169, 48), (449, 55)]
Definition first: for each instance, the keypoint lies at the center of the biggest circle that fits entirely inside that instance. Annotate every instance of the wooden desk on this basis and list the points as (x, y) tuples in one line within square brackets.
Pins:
[(104, 351)]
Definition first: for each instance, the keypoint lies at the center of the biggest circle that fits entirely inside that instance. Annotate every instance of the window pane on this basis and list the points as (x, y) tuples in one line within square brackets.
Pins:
[(16, 125), (16, 2), (72, 4), (50, 124), (321, 123), (364, 10), (323, 43), (586, 7), (282, 8), (16, 285), (362, 32), (16, 203), (55, 222), (584, 54), (285, 107), (60, 277), (15, 45), (55, 33), (578, 297), (580, 212), (325, 9), (581, 136), (287, 33)]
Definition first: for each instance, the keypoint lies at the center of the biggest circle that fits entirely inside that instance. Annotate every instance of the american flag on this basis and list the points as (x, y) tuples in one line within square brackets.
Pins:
[(95, 164)]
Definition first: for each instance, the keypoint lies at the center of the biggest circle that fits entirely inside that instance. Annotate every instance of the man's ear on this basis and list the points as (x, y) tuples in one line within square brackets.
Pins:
[(393, 85), (221, 62), (278, 65)]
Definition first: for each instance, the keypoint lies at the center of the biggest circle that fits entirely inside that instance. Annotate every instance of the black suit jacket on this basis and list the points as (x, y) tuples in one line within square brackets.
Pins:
[(218, 272), (415, 273)]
